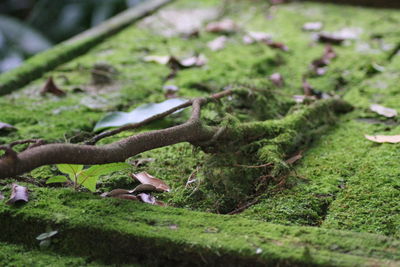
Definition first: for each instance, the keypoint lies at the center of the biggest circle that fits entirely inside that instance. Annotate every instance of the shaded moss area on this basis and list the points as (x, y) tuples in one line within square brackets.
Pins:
[(118, 231), (15, 255)]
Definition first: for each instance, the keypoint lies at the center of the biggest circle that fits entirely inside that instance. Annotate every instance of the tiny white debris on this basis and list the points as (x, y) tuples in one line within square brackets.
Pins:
[(259, 250), (218, 43), (313, 26)]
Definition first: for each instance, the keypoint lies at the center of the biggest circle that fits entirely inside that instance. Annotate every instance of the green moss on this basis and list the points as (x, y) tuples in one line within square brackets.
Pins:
[(85, 221), (14, 256)]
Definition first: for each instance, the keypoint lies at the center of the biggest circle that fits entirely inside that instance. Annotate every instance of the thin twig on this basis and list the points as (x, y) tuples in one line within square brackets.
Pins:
[(254, 166)]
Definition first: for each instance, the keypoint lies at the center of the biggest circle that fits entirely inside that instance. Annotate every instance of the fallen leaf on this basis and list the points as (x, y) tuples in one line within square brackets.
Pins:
[(51, 87), (318, 66), (277, 45), (384, 111), (6, 127), (18, 194), (195, 61), (146, 198), (313, 26), (226, 26), (145, 178), (170, 91), (252, 37), (144, 188), (118, 118), (277, 79), (218, 43), (115, 192), (330, 38), (384, 138), (141, 162), (46, 235)]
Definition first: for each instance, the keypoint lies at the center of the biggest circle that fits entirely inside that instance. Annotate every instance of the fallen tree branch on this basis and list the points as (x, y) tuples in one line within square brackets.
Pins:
[(192, 131)]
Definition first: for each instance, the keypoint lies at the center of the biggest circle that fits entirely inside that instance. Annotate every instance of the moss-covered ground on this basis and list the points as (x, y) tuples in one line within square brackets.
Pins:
[(342, 182)]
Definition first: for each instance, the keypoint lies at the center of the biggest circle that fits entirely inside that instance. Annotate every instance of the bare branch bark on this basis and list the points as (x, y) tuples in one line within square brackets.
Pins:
[(192, 131)]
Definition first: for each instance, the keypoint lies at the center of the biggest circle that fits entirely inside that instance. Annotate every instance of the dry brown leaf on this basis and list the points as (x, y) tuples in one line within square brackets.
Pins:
[(384, 111), (218, 43), (223, 26), (277, 45), (394, 139), (51, 87), (115, 192), (18, 194), (145, 178), (195, 61), (145, 188)]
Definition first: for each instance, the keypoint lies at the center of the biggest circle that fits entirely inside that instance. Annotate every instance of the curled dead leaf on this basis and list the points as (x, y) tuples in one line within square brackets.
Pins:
[(277, 45), (226, 26), (51, 87), (18, 194), (384, 111), (145, 178), (394, 139)]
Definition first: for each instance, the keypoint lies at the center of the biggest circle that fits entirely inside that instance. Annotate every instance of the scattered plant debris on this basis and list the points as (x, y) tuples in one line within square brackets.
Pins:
[(51, 87), (277, 79), (319, 66), (44, 238), (145, 178), (218, 43), (1, 196), (394, 139), (330, 38), (253, 37), (277, 45), (294, 158), (170, 91), (226, 26), (384, 111), (313, 26), (18, 194)]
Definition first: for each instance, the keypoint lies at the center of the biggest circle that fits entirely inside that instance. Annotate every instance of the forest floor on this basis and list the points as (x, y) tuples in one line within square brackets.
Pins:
[(311, 189)]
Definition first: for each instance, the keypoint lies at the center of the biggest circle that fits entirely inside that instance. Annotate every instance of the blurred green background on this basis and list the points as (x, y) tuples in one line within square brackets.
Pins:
[(30, 26)]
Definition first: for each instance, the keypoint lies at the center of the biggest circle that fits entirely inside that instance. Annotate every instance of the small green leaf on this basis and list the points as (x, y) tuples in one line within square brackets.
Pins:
[(88, 178), (57, 179), (71, 169), (98, 170)]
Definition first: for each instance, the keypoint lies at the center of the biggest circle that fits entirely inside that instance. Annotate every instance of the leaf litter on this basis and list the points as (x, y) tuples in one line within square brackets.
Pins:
[(384, 111), (18, 194)]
